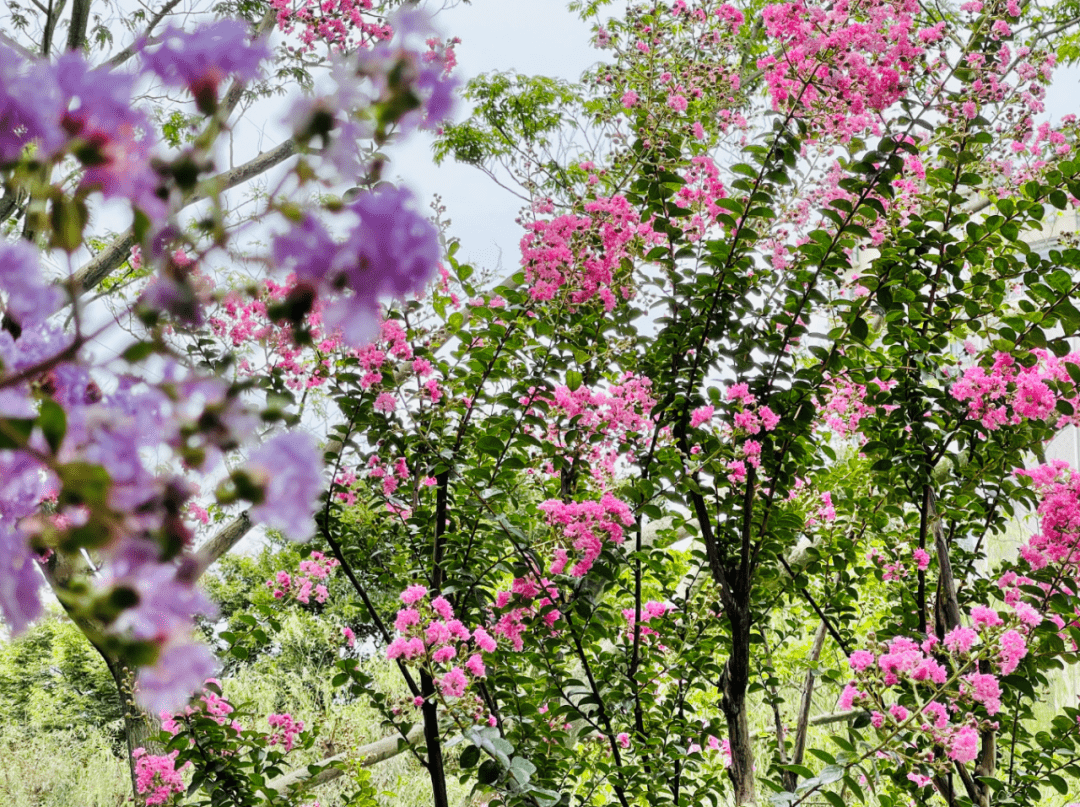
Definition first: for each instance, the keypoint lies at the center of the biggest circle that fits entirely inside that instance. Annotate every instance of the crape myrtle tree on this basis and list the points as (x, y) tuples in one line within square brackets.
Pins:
[(778, 346)]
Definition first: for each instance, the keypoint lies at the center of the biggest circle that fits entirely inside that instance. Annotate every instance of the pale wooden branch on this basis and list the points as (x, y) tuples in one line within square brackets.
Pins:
[(109, 259), (129, 51), (366, 756), (218, 545)]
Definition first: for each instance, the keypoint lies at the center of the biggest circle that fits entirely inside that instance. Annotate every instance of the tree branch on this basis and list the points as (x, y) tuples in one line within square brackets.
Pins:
[(129, 51), (106, 262), (80, 19), (218, 545), (367, 755)]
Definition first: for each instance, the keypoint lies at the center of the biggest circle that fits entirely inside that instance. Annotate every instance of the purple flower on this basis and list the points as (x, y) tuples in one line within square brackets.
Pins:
[(22, 487), (166, 603), (290, 468), (19, 581), (397, 248), (29, 107), (112, 137), (426, 77), (199, 60), (181, 668), (391, 252), (29, 298)]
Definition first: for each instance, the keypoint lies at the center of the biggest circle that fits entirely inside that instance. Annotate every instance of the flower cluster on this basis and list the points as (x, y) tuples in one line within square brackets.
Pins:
[(344, 25), (581, 255), (605, 418), (285, 730), (937, 693), (89, 463), (431, 637), (391, 250), (583, 527), (313, 570), (1010, 393), (846, 61), (527, 597), (200, 59), (156, 777)]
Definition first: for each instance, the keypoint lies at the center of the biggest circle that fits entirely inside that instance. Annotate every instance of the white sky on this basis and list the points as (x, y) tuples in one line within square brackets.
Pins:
[(533, 37)]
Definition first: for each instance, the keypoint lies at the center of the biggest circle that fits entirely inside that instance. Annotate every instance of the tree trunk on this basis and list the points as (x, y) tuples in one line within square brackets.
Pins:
[(733, 704), (140, 728)]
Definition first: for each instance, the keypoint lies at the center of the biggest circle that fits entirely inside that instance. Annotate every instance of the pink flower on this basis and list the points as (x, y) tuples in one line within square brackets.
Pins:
[(629, 99), (453, 684), (484, 640), (986, 617), (385, 402), (964, 746), (1013, 649), (860, 660), (444, 654), (960, 639), (442, 607), (413, 594), (701, 415), (769, 419), (350, 637), (475, 665), (922, 558), (623, 739), (848, 697), (1028, 615)]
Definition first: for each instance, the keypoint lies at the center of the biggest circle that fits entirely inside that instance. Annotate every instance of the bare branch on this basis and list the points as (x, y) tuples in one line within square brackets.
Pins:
[(129, 51), (221, 543), (105, 262), (367, 755)]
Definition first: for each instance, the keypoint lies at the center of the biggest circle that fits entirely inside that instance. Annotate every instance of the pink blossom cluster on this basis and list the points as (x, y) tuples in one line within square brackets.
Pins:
[(583, 527), (286, 730), (1009, 393), (527, 597), (842, 62), (606, 418), (342, 25), (312, 571), (211, 704), (156, 777), (581, 255), (846, 404), (392, 473), (956, 684), (430, 637), (649, 611), (247, 326)]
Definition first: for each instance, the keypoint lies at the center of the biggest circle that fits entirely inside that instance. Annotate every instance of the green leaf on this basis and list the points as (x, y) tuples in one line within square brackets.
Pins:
[(489, 772), (469, 757), (53, 422)]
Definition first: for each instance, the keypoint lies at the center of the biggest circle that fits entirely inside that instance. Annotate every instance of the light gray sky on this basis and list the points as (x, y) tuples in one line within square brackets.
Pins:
[(533, 37)]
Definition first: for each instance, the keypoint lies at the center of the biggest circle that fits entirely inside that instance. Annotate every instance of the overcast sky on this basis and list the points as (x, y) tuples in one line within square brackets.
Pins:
[(534, 37)]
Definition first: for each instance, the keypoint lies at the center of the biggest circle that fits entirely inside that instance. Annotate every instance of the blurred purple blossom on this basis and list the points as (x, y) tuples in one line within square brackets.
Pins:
[(29, 106), (391, 252), (182, 667), (199, 60), (29, 298), (289, 467)]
